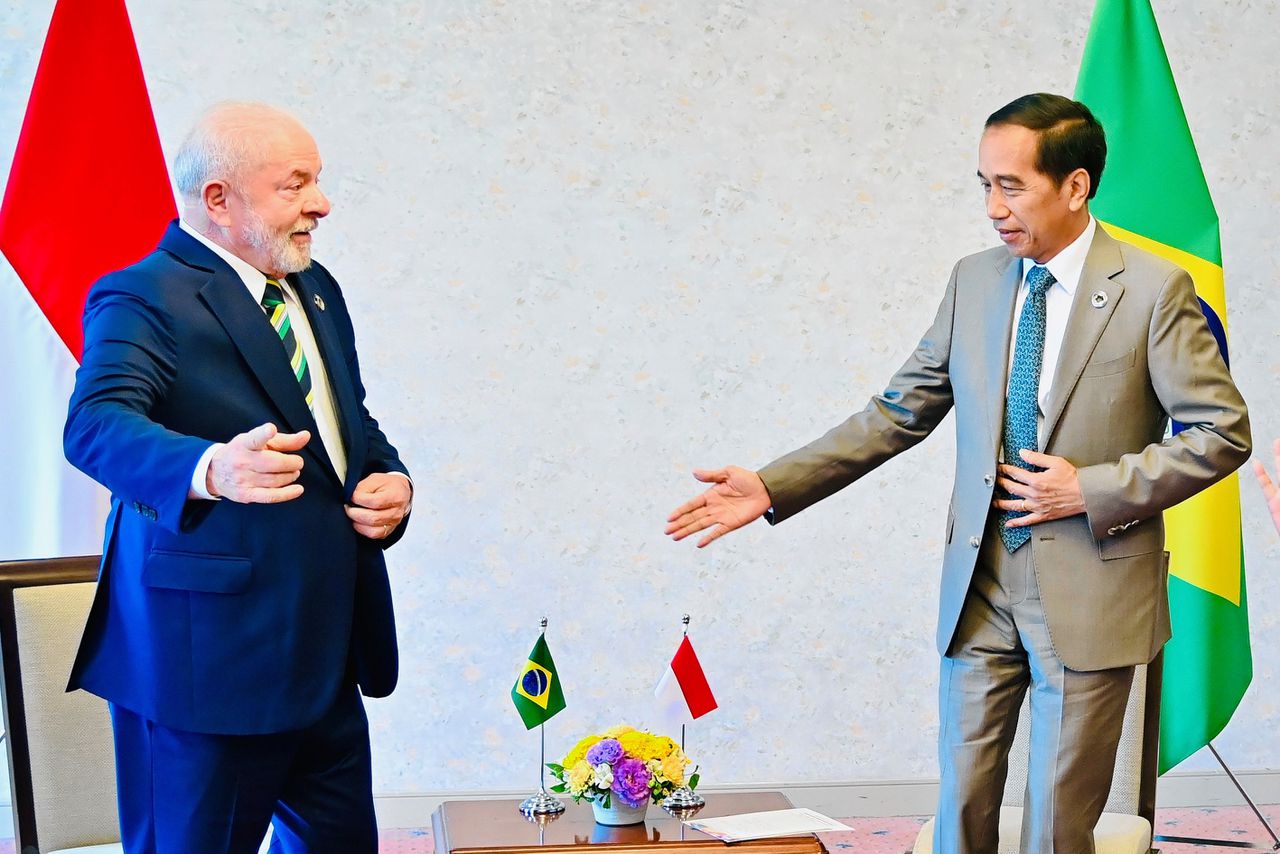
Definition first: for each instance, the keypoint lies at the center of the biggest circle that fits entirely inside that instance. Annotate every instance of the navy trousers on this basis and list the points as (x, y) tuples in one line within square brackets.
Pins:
[(194, 793)]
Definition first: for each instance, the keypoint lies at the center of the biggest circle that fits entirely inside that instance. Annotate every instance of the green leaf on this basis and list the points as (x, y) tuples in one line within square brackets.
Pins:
[(560, 788), (693, 781), (555, 769)]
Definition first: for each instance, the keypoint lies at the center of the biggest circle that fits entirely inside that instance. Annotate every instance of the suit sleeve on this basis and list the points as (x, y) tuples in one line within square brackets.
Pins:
[(128, 363), (1195, 388), (915, 401)]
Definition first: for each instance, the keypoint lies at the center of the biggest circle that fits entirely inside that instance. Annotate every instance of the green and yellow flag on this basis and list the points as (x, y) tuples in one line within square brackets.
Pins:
[(1153, 194), (537, 692)]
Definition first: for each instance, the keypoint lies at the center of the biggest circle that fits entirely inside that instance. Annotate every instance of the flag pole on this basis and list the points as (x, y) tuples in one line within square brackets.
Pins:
[(683, 801), (542, 802), (1223, 843)]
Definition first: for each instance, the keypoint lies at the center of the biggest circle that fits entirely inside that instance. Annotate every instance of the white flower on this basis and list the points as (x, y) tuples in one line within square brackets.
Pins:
[(604, 776)]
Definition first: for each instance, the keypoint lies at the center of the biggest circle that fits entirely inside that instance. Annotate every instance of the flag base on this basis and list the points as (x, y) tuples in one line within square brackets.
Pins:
[(541, 803), (682, 799)]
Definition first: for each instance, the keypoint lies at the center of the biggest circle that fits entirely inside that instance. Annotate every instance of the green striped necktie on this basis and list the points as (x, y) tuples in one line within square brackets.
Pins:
[(273, 305)]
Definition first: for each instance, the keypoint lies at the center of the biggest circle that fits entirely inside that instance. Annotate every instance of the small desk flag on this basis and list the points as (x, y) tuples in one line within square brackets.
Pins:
[(683, 693), (537, 693)]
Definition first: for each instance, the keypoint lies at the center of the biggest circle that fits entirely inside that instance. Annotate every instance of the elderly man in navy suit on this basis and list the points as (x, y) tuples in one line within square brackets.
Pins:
[(243, 603)]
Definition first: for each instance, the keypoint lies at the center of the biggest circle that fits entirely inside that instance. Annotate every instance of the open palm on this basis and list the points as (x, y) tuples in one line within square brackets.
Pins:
[(737, 497)]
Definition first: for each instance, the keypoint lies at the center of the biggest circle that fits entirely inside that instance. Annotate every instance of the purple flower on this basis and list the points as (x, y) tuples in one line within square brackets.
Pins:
[(607, 751), (631, 781)]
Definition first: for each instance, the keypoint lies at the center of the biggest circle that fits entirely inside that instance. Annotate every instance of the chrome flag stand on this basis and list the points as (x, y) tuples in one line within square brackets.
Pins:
[(684, 801), (542, 802)]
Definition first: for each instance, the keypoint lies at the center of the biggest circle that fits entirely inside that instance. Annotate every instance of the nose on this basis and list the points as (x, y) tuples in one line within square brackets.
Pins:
[(996, 208), (317, 203)]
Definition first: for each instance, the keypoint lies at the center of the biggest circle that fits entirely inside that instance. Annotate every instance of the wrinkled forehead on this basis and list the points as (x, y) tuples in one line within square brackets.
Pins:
[(281, 145)]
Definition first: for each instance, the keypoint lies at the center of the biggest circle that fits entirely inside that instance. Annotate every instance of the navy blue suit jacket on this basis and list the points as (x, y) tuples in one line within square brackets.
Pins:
[(213, 616)]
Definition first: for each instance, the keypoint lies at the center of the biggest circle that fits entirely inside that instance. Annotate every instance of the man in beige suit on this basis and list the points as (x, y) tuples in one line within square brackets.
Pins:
[(1064, 354)]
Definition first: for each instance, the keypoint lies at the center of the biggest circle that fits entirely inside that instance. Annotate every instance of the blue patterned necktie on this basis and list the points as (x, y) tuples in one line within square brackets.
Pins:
[(1023, 405)]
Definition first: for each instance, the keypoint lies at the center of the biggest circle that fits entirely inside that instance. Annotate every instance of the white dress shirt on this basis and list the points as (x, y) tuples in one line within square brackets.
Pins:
[(1066, 267), (323, 406)]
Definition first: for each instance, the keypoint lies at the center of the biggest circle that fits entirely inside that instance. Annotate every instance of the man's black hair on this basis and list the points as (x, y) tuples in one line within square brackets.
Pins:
[(1070, 138)]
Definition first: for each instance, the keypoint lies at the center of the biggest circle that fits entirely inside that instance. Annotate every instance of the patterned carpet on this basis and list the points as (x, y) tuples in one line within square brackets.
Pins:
[(896, 835)]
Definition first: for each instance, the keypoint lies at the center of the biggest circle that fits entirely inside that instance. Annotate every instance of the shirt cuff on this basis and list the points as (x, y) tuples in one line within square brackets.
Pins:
[(199, 477)]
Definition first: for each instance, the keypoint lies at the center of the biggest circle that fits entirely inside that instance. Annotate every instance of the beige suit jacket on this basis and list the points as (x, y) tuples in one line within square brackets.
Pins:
[(1126, 367)]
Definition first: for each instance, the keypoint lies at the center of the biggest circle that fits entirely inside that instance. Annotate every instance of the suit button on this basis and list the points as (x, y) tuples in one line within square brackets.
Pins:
[(975, 542), (989, 479)]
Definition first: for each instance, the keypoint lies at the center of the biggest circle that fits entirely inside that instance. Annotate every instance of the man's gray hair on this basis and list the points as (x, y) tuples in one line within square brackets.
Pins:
[(228, 137)]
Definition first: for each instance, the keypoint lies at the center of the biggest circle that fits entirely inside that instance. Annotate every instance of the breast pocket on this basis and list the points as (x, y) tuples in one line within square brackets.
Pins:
[(1110, 366)]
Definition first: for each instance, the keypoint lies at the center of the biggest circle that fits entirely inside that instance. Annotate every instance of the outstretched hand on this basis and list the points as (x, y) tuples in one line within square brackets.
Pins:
[(738, 497), (1269, 489), (258, 467)]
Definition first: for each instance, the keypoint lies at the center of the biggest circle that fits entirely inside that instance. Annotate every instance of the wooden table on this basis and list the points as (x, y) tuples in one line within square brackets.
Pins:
[(498, 827)]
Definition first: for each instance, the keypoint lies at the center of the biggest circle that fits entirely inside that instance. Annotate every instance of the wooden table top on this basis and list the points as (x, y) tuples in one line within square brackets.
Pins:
[(498, 827)]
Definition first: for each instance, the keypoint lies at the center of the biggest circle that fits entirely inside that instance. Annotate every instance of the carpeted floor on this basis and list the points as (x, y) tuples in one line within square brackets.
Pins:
[(896, 835)]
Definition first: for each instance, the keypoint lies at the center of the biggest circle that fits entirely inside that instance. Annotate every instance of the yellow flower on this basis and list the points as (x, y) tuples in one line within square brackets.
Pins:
[(614, 732), (579, 751), (673, 767), (643, 745), (664, 747), (634, 744), (579, 776)]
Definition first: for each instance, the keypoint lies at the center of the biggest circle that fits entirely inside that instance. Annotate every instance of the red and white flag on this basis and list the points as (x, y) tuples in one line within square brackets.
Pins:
[(88, 193), (683, 693)]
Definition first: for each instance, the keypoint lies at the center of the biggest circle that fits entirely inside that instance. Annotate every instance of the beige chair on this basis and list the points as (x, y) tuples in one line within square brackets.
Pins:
[(1125, 826), (61, 768), (61, 761)]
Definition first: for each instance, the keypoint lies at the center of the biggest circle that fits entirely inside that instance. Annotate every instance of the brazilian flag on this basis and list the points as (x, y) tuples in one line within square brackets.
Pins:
[(1154, 194), (537, 693)]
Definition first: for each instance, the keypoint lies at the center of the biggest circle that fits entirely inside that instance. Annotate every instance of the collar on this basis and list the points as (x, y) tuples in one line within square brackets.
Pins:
[(254, 279), (1068, 265)]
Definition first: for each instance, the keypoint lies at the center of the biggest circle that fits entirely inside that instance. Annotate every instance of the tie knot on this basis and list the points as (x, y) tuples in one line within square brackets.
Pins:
[(272, 294), (1040, 278)]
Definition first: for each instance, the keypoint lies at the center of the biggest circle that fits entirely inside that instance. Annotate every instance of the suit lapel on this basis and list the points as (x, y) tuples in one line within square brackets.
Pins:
[(335, 367), (251, 332), (248, 328), (1085, 324), (996, 355)]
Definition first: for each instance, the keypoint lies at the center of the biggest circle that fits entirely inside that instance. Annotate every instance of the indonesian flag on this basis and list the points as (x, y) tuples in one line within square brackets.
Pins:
[(683, 693), (87, 193)]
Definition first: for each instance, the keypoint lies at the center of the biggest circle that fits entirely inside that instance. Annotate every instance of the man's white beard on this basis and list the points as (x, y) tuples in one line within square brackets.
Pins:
[(284, 255)]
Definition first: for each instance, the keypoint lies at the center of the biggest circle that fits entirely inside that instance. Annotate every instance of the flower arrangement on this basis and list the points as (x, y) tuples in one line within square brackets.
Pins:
[(625, 763)]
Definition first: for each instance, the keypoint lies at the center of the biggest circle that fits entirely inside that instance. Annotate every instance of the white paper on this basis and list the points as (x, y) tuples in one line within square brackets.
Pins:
[(760, 825)]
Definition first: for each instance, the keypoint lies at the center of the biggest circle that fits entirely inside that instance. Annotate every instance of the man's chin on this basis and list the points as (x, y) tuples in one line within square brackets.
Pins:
[(294, 262)]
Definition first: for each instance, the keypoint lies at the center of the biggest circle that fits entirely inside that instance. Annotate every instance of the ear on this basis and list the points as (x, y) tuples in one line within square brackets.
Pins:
[(1077, 188), (216, 195)]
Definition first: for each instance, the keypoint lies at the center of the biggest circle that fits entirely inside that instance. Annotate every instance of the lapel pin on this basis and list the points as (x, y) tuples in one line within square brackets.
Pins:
[(319, 301), (1098, 299)]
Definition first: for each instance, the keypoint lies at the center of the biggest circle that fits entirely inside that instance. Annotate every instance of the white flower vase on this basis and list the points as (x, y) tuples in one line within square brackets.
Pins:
[(618, 814)]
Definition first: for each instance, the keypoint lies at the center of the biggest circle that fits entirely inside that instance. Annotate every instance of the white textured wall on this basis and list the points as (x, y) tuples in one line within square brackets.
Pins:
[(590, 245)]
